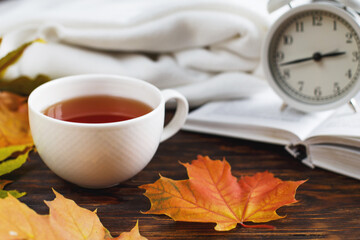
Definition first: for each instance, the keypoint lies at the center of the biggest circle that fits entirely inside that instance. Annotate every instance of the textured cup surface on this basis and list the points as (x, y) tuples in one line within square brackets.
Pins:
[(105, 154)]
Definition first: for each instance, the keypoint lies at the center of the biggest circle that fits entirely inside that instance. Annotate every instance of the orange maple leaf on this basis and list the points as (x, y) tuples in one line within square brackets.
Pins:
[(66, 221), (14, 122), (212, 194)]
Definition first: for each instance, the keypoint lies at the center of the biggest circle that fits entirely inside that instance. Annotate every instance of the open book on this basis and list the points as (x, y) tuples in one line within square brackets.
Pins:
[(328, 139)]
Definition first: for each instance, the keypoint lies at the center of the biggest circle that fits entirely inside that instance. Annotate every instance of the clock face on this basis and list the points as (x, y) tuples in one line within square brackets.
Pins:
[(314, 57)]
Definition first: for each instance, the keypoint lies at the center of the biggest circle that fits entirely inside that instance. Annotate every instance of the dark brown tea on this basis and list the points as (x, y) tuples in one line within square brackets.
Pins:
[(97, 109)]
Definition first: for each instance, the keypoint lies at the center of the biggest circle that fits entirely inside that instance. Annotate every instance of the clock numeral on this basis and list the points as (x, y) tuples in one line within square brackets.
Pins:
[(317, 20), (299, 26), (348, 73), (301, 85), (349, 37), (317, 92), (356, 56), (286, 74), (334, 25), (336, 88), (288, 39), (279, 56)]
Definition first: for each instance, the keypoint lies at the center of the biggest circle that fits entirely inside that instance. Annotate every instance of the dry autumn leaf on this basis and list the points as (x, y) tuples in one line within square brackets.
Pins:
[(132, 235), (14, 122), (15, 137), (66, 221), (212, 194)]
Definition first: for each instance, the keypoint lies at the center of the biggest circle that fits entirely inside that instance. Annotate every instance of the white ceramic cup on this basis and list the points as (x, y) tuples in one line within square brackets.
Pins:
[(99, 155)]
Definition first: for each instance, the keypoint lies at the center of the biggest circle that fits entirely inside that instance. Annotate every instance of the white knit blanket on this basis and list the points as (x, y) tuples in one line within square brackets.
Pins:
[(206, 49)]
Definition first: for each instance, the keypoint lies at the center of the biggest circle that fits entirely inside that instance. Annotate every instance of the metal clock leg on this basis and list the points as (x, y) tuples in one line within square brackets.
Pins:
[(354, 105)]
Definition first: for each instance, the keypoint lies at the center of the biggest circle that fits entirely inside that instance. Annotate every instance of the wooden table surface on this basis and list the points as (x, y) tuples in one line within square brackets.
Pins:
[(328, 207)]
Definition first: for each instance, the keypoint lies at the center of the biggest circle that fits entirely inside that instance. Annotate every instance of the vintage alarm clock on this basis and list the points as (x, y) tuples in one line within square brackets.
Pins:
[(311, 55)]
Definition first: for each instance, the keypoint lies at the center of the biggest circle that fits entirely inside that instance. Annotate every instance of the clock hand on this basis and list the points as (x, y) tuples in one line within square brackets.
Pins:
[(332, 54), (316, 57), (297, 61)]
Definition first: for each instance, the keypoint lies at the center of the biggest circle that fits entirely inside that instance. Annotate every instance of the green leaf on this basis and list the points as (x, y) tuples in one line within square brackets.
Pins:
[(13, 56), (4, 193), (10, 165), (7, 152), (23, 85), (14, 193)]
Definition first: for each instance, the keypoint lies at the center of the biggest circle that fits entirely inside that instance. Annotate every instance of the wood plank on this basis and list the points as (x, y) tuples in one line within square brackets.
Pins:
[(328, 207)]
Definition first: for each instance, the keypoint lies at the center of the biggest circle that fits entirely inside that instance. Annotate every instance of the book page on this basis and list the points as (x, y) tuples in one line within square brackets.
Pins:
[(345, 123), (337, 159), (263, 110)]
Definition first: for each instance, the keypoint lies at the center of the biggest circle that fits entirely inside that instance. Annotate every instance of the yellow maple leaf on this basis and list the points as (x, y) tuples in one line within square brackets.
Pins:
[(70, 221), (17, 221), (212, 194), (132, 235), (65, 221)]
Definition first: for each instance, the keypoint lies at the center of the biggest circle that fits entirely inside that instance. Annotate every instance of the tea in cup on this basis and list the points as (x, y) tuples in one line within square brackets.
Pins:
[(99, 130)]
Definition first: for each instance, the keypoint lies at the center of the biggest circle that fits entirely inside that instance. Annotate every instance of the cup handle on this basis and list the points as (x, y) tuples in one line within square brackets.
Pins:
[(182, 109)]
